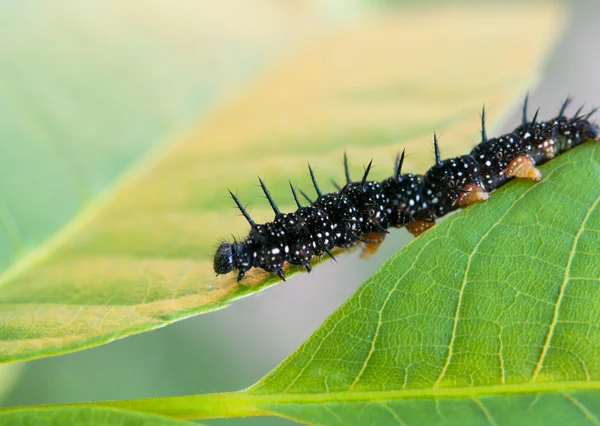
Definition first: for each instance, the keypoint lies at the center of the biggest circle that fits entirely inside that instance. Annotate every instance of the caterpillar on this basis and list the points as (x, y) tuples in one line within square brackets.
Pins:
[(363, 211)]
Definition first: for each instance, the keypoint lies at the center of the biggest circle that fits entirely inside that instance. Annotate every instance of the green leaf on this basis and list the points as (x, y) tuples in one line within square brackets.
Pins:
[(85, 416), (141, 258), (491, 317)]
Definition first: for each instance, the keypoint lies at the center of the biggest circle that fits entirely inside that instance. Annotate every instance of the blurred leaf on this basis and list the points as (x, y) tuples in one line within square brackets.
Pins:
[(491, 317), (142, 258), (87, 88), (9, 373), (85, 416)]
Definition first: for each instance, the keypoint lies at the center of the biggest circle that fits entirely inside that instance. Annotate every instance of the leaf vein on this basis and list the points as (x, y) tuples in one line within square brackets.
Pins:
[(485, 411), (465, 279), (380, 321), (561, 294), (586, 412), (392, 413)]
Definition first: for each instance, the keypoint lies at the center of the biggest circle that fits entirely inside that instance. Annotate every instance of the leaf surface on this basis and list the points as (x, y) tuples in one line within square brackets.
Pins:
[(142, 258), (85, 416), (490, 317)]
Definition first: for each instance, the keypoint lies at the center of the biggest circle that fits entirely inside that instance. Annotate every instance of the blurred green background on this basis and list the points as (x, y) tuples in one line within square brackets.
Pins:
[(155, 69)]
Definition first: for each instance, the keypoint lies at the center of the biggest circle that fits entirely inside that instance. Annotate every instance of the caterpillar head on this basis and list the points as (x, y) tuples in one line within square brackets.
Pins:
[(223, 260)]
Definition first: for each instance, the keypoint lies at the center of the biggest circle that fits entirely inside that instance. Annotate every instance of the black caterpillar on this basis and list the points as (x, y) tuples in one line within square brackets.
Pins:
[(363, 211)]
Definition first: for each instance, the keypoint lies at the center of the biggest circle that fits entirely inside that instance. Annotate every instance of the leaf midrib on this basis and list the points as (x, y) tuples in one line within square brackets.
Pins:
[(244, 403), (456, 392)]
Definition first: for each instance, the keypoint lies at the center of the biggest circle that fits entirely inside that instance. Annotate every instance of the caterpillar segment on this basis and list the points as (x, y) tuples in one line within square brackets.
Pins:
[(363, 211)]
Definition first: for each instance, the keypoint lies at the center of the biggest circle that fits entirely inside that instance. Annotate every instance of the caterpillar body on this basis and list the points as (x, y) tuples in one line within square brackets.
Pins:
[(363, 211)]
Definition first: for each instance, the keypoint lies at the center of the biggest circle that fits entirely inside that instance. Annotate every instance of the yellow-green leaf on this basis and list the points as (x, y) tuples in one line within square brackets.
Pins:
[(85, 91), (141, 258)]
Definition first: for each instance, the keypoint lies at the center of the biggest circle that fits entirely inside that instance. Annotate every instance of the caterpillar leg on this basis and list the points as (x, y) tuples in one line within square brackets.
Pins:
[(522, 167), (472, 194), (419, 226), (364, 238), (374, 241)]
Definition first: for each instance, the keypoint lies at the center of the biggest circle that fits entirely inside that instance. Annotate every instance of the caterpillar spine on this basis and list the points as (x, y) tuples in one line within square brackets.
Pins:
[(363, 211)]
